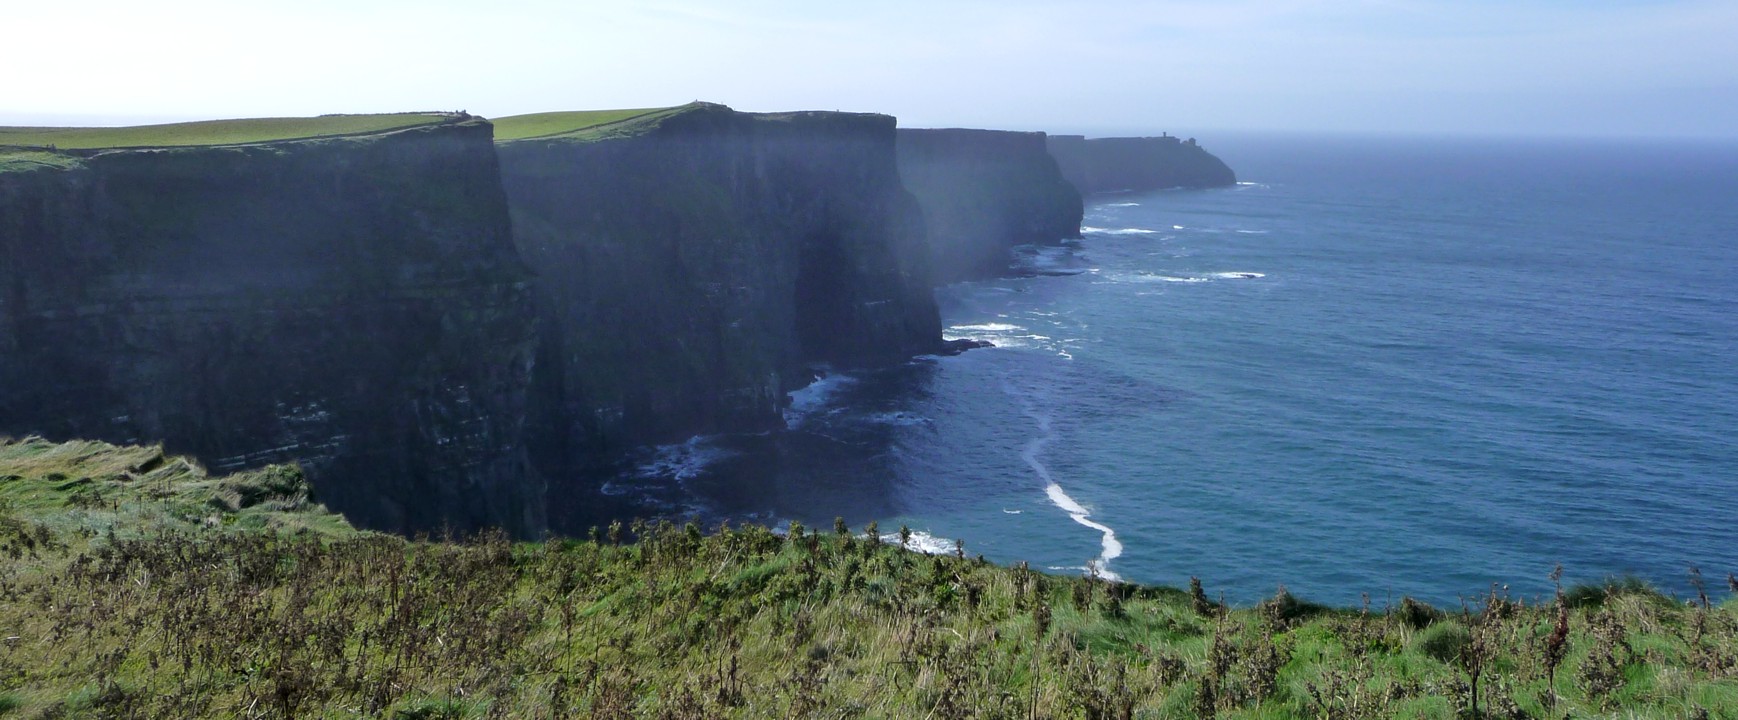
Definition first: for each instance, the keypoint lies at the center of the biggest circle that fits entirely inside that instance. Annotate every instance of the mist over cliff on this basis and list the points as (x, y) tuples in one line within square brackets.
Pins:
[(984, 192), (695, 267)]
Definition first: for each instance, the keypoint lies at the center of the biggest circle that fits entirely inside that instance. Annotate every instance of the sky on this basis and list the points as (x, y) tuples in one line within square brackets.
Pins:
[(1654, 68)]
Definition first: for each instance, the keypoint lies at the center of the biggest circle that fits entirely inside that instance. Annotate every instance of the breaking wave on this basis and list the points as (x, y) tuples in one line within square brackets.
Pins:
[(1118, 231), (807, 400)]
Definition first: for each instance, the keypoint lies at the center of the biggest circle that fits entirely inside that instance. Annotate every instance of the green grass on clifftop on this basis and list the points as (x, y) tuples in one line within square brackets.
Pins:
[(89, 488), (24, 160), (124, 592), (213, 132), (582, 125)]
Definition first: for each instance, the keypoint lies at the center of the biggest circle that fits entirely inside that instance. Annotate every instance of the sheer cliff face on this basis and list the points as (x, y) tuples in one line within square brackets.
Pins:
[(1104, 165), (353, 304), (983, 192), (690, 273)]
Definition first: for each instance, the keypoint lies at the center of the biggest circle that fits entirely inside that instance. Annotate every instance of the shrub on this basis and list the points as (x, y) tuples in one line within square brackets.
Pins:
[(1443, 642), (1416, 614), (1586, 596)]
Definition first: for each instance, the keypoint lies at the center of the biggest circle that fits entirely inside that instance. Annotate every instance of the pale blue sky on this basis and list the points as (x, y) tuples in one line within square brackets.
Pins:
[(1603, 67)]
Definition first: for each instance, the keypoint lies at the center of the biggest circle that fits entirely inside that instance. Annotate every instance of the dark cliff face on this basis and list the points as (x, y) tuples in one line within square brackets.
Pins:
[(1103, 165), (983, 192), (353, 304), (692, 271)]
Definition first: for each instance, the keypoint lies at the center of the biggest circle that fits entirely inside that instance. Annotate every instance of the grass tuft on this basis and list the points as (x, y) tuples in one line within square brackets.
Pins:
[(1595, 595)]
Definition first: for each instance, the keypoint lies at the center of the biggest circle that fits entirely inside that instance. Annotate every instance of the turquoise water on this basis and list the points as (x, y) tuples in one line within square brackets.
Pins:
[(1394, 367)]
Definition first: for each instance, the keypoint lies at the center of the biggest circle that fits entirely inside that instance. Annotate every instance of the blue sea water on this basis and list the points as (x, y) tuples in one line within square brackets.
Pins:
[(1385, 366)]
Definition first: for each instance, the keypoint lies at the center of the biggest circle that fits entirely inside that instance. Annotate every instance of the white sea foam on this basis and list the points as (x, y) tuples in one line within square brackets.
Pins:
[(1239, 275), (1146, 277), (985, 327), (923, 542), (1252, 232), (1117, 231), (682, 461), (1012, 512), (1002, 335), (1110, 547), (805, 401), (991, 327), (1123, 204), (900, 419), (1047, 260)]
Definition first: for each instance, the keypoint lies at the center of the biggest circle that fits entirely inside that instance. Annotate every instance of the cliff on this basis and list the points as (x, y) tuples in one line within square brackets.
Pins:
[(353, 303), (983, 192), (695, 261), (1102, 165)]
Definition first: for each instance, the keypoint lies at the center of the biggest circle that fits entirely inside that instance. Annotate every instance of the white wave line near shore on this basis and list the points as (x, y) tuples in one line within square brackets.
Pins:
[(1111, 548)]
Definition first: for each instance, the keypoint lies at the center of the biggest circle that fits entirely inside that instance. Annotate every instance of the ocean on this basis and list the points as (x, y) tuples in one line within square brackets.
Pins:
[(1378, 367)]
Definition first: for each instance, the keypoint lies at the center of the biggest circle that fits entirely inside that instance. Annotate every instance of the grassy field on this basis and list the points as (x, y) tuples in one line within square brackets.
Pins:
[(212, 132), (134, 585), (22, 160), (581, 125)]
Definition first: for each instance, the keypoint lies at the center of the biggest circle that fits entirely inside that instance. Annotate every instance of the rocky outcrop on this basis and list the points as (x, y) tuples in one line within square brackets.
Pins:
[(694, 265), (984, 192), (1102, 165), (354, 304)]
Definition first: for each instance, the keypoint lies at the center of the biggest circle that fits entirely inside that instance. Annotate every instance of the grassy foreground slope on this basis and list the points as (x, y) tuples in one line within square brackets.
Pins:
[(135, 585), (213, 132)]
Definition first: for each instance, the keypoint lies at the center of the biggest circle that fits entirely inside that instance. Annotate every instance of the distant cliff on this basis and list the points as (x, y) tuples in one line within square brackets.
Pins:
[(983, 192), (695, 262), (353, 303), (1103, 165)]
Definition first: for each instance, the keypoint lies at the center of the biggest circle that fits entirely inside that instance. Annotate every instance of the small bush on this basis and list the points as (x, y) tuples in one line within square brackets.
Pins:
[(1588, 596), (282, 483), (1443, 642), (1285, 610), (437, 709), (1417, 615)]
